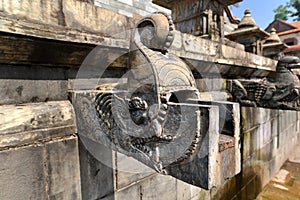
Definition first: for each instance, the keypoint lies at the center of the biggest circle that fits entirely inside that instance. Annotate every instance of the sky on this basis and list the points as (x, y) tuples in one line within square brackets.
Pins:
[(261, 10)]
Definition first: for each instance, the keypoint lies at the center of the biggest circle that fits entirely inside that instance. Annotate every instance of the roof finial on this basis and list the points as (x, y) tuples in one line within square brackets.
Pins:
[(247, 12)]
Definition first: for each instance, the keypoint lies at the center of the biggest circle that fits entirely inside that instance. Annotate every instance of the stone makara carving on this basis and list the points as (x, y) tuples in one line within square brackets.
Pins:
[(154, 114), (143, 118), (282, 92)]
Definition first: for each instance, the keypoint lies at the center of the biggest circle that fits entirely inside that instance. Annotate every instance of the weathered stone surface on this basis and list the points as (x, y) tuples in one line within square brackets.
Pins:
[(204, 165), (184, 45), (25, 91), (29, 123), (43, 171), (155, 187), (130, 171), (63, 171), (63, 20), (22, 173), (36, 51), (183, 190), (195, 49), (132, 192), (84, 16), (211, 84), (96, 170), (43, 10)]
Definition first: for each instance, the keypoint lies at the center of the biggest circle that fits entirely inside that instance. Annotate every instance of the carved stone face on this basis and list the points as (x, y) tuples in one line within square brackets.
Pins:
[(138, 110), (269, 93)]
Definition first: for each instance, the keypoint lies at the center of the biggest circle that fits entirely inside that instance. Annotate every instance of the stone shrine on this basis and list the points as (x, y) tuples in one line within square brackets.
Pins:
[(200, 18), (249, 34), (272, 46)]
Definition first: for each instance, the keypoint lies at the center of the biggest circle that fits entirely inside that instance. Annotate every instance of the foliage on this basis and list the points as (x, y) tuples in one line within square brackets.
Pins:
[(296, 5), (290, 10), (282, 12)]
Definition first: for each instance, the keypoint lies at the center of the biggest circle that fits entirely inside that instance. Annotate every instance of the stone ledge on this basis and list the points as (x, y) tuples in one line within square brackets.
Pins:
[(84, 23), (26, 124), (65, 20)]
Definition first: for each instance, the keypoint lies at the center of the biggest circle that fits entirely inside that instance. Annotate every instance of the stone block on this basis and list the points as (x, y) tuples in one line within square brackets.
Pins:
[(30, 123), (213, 96), (195, 191), (247, 119), (183, 190), (96, 170), (99, 2), (248, 169), (43, 10), (63, 171), (130, 171), (177, 44), (274, 127), (265, 153), (266, 176), (251, 189), (80, 15), (126, 13), (150, 9), (25, 91), (261, 115), (246, 145), (266, 136), (128, 2), (139, 4), (132, 192), (155, 186), (205, 165), (22, 173), (229, 127)]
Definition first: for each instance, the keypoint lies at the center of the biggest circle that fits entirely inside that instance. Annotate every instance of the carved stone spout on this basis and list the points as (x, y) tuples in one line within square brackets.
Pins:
[(154, 116), (281, 92)]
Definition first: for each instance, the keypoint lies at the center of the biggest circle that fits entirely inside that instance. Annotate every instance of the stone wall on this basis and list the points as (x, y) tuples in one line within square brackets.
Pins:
[(130, 8), (269, 137), (41, 155), (39, 152)]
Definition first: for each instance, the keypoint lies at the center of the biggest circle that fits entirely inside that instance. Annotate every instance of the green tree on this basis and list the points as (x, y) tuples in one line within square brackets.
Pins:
[(282, 12), (289, 10), (295, 4)]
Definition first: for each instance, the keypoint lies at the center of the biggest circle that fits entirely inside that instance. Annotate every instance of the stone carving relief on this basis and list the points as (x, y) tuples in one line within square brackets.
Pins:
[(282, 92), (155, 116), (143, 117)]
